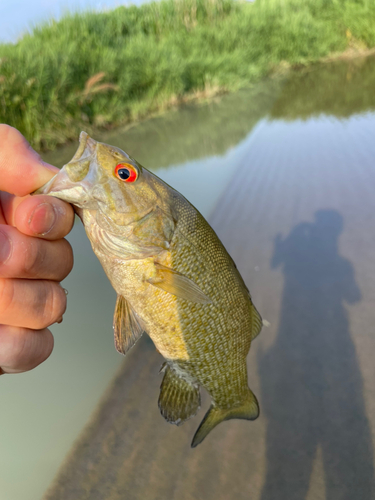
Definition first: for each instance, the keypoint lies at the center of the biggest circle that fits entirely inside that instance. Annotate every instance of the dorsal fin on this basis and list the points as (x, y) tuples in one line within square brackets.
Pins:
[(127, 325)]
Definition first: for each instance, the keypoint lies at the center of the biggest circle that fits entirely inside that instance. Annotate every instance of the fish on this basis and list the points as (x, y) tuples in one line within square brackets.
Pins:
[(174, 280)]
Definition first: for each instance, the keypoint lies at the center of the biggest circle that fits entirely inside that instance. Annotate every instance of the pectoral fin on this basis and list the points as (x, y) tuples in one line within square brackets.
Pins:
[(173, 282), (127, 325)]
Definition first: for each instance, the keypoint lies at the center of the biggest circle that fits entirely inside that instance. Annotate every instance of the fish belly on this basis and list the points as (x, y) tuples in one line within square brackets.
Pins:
[(158, 309)]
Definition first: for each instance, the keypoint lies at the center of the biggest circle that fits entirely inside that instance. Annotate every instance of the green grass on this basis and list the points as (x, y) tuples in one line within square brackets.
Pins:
[(104, 69)]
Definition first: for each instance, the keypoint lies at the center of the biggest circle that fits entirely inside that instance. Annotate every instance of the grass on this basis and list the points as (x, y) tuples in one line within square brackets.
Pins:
[(104, 69)]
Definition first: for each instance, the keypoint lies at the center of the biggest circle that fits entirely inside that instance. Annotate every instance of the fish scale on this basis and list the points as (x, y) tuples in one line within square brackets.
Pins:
[(174, 280)]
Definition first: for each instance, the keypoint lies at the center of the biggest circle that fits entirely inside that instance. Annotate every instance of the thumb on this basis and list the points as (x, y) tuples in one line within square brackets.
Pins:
[(22, 171)]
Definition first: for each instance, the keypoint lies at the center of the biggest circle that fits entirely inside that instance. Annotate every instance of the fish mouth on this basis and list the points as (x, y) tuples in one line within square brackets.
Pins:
[(82, 182), (62, 187), (66, 187), (86, 148)]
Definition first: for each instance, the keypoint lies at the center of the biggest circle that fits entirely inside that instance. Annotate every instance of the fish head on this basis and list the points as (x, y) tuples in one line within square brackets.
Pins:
[(104, 178)]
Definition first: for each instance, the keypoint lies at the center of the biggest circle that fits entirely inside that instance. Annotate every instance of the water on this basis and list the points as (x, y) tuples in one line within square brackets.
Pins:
[(285, 173)]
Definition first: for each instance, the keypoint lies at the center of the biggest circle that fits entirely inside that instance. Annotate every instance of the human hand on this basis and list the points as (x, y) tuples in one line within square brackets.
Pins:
[(34, 257)]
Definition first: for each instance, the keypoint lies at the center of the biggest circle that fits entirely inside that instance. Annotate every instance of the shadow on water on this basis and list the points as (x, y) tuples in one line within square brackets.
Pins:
[(311, 382)]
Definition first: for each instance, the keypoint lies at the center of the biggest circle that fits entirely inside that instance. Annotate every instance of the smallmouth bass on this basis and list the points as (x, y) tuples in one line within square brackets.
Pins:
[(174, 280)]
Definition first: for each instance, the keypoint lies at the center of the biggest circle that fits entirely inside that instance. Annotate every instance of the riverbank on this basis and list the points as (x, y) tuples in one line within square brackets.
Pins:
[(98, 70)]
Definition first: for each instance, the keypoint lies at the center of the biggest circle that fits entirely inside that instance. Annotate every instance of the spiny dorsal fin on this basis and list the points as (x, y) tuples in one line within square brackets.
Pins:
[(248, 410), (127, 325), (173, 282), (179, 400)]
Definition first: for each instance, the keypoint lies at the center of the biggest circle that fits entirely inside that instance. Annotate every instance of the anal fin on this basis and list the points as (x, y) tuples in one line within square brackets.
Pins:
[(179, 400), (127, 325), (248, 410)]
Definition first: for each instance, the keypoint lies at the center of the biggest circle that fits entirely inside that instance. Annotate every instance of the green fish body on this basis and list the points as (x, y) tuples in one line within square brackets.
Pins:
[(174, 280)]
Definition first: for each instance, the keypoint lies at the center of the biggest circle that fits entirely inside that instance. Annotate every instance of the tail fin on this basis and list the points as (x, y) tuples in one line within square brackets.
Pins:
[(249, 410)]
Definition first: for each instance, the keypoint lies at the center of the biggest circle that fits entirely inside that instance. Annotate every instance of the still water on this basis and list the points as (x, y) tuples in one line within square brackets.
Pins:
[(285, 173)]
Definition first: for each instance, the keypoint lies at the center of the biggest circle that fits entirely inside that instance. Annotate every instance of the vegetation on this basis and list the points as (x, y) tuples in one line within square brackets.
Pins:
[(339, 89), (104, 69)]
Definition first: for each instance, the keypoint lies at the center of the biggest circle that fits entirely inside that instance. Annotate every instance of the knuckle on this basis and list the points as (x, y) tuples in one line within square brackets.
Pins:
[(6, 294), (65, 217), (36, 348), (19, 351), (24, 349), (53, 304), (68, 259), (45, 343), (14, 350), (34, 256)]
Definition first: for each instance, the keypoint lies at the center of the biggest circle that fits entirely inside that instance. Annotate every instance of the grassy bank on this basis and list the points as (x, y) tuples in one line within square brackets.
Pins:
[(103, 69)]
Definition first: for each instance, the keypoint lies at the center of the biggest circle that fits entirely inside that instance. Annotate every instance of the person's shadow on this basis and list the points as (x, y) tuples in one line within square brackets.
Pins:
[(311, 382)]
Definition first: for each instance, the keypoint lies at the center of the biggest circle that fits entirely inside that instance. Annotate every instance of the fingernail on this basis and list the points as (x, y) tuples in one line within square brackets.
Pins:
[(42, 219), (5, 247), (49, 166)]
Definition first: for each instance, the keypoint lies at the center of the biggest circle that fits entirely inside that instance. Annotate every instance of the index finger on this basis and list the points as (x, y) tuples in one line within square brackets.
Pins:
[(42, 216), (22, 171)]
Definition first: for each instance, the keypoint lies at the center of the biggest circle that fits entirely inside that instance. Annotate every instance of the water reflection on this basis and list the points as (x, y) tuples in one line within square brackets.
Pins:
[(273, 174), (339, 88), (311, 382), (195, 131)]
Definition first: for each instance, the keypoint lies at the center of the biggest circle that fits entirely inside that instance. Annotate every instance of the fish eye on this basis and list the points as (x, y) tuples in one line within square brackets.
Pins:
[(126, 172)]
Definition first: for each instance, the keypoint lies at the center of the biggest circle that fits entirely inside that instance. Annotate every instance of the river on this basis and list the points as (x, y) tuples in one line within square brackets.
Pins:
[(285, 173)]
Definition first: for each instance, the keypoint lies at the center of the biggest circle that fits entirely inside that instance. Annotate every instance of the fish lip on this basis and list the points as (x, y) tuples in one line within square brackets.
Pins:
[(77, 192), (60, 186), (87, 146), (76, 196)]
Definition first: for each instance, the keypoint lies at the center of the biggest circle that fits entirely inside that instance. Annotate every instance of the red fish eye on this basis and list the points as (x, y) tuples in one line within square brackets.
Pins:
[(125, 172)]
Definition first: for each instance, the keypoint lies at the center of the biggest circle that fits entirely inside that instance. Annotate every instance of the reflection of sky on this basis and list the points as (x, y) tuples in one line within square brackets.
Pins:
[(18, 16), (203, 181)]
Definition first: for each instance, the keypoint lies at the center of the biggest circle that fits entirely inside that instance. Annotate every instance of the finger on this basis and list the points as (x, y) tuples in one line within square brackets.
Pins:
[(32, 304), (22, 171), (22, 256), (2, 218), (22, 349), (42, 216)]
